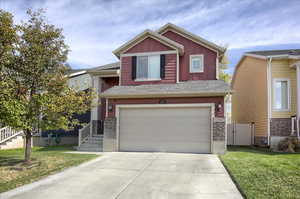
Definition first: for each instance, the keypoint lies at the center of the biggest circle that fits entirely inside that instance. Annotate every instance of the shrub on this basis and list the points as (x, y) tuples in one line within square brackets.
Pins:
[(289, 144)]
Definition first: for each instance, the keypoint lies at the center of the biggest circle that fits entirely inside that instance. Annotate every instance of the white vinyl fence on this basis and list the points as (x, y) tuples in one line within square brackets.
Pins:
[(240, 134)]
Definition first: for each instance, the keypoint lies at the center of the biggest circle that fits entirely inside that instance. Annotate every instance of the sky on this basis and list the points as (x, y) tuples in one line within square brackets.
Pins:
[(94, 28)]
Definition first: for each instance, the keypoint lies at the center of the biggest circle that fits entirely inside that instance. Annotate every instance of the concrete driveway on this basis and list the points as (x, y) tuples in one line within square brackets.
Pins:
[(136, 175)]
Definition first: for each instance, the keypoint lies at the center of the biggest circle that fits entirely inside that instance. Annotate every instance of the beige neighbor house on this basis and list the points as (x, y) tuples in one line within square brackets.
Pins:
[(266, 85)]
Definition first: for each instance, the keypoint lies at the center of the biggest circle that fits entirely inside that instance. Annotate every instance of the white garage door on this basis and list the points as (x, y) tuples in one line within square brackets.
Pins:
[(165, 129)]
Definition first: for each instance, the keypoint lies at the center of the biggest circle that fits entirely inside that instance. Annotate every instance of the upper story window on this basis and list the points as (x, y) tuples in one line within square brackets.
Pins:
[(281, 94), (148, 67), (196, 63)]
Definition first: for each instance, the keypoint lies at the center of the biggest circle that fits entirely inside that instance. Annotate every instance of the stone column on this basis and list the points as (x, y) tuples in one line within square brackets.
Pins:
[(110, 135), (219, 135)]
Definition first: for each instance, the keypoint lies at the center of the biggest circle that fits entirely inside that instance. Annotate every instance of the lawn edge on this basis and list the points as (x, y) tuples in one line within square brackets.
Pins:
[(233, 179), (46, 179)]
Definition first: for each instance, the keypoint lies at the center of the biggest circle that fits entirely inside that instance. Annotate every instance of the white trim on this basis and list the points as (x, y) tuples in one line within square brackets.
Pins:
[(76, 73), (289, 94), (120, 75), (122, 106), (106, 108), (190, 64), (145, 80), (148, 33), (298, 90), (149, 53), (177, 67), (217, 68)]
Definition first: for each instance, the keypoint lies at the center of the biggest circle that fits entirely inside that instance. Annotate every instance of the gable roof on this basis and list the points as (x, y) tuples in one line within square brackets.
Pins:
[(191, 36), (107, 70), (182, 89), (111, 66), (145, 34), (292, 52)]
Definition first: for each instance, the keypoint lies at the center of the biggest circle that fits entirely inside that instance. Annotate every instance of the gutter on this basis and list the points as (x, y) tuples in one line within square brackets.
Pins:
[(155, 95), (106, 73)]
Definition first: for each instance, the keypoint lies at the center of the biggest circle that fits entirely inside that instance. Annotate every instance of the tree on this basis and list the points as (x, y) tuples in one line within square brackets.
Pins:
[(34, 91), (223, 66)]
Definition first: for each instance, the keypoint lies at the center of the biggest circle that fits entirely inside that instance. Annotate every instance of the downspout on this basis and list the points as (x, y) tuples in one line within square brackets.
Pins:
[(269, 86)]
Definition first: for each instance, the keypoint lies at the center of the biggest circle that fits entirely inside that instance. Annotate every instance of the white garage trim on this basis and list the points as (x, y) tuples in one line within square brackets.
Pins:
[(130, 106)]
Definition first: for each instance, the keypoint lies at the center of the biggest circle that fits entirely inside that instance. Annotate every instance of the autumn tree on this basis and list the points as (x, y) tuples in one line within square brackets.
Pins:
[(33, 88), (222, 67)]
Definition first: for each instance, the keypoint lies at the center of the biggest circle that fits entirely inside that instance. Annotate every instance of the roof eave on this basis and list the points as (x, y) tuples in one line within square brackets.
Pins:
[(107, 73), (196, 37), (149, 33), (154, 95)]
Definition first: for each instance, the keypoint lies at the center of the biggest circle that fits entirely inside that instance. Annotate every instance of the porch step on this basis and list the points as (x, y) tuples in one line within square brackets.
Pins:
[(13, 142), (92, 143)]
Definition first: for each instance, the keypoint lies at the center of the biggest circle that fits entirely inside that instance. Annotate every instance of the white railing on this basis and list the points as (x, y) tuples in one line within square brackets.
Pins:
[(84, 134), (7, 133)]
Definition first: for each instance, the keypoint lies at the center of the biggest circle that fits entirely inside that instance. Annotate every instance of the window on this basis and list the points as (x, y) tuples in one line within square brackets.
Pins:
[(148, 67), (281, 94), (196, 63)]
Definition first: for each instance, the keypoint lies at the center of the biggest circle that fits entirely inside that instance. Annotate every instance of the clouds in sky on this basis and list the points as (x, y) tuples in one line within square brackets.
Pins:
[(94, 28)]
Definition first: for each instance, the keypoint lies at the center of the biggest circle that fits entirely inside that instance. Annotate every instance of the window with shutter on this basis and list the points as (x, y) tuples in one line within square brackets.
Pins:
[(148, 68)]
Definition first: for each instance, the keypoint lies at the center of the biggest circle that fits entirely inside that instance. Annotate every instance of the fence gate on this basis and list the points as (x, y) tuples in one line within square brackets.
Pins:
[(240, 134)]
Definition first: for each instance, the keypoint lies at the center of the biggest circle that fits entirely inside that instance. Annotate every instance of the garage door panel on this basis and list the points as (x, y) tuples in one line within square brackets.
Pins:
[(165, 129)]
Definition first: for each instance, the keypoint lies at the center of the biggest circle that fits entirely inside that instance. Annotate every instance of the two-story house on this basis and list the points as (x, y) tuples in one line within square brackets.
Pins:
[(266, 93), (163, 95)]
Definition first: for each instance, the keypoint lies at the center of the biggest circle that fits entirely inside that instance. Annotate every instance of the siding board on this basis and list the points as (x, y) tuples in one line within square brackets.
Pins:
[(282, 69), (249, 100)]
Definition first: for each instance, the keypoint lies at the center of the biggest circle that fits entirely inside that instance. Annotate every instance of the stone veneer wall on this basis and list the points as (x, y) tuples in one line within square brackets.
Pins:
[(110, 135), (219, 129), (219, 134), (280, 126), (260, 141)]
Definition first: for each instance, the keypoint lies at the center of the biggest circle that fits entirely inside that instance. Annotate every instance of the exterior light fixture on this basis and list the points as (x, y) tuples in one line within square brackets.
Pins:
[(219, 107), (110, 108)]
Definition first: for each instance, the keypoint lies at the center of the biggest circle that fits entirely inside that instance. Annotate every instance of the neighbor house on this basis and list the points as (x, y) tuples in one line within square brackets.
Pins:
[(163, 95), (265, 92)]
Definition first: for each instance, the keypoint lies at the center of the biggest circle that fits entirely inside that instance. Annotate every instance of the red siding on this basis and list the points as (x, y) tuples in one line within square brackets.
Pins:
[(107, 82), (181, 100), (148, 45), (170, 72), (190, 48)]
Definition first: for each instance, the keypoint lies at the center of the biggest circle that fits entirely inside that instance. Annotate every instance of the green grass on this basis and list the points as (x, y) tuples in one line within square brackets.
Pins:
[(48, 160), (263, 174)]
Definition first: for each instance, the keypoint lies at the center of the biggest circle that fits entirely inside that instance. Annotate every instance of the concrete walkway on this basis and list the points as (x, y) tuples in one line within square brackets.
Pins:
[(136, 175)]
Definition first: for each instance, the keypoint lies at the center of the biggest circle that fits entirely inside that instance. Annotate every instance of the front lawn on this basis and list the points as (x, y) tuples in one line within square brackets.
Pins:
[(264, 174), (46, 160)]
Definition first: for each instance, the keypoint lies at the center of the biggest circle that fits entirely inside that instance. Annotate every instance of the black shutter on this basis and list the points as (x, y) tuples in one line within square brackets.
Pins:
[(162, 66), (133, 69)]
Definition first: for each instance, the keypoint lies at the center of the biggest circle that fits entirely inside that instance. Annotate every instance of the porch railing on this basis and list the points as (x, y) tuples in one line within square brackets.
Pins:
[(84, 134), (295, 126), (7, 133)]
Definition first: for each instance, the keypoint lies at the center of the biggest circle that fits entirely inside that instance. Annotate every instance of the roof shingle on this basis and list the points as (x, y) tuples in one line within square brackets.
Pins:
[(189, 88), (276, 52)]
